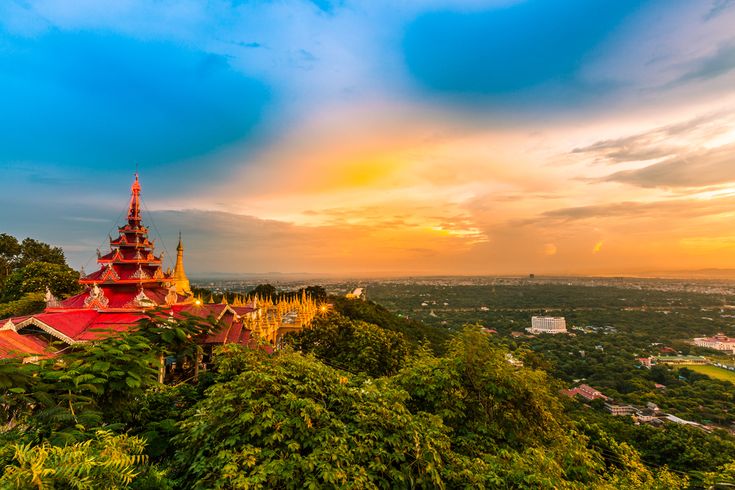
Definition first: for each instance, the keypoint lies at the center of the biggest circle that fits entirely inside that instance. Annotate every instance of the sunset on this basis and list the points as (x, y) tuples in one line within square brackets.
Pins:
[(367, 244), (498, 137)]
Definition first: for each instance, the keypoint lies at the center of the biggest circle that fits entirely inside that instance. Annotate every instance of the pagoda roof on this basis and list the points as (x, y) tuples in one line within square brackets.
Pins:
[(122, 298), (145, 243), (13, 344), (81, 325), (128, 257), (64, 325), (216, 310), (125, 274), (132, 229), (128, 285), (233, 330)]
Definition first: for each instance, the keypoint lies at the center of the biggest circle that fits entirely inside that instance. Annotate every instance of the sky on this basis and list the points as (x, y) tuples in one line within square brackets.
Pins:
[(419, 137)]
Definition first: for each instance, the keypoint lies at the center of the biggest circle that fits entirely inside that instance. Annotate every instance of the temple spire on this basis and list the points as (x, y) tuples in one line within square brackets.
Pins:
[(134, 208), (180, 280)]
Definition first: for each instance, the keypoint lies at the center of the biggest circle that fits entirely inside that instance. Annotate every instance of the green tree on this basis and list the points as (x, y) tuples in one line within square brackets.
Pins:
[(104, 461), (37, 276), (356, 346), (289, 421), (511, 418), (265, 291), (9, 250), (318, 293), (27, 305), (370, 312), (177, 336), (95, 383), (34, 251)]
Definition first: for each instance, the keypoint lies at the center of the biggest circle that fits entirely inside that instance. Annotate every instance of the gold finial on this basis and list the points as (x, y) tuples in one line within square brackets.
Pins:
[(180, 280)]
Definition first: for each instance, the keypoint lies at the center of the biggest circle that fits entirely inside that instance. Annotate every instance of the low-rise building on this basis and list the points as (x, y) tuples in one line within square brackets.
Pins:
[(680, 421), (682, 360), (547, 324), (620, 410), (646, 362), (719, 342), (585, 391)]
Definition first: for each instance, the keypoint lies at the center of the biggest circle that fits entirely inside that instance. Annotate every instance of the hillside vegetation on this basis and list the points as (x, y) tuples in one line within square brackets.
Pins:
[(346, 404)]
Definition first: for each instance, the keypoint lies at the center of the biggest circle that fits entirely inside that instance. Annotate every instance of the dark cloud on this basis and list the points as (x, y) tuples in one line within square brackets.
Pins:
[(493, 54), (631, 210), (631, 149), (683, 159), (660, 142), (693, 169), (719, 63), (718, 7), (79, 98), (249, 44)]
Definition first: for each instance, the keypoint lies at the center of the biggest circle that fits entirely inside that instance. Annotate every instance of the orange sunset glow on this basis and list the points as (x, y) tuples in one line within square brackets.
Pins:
[(344, 147)]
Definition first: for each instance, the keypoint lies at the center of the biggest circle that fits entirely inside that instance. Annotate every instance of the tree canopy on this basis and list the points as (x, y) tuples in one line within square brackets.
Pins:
[(30, 267), (36, 277), (347, 404)]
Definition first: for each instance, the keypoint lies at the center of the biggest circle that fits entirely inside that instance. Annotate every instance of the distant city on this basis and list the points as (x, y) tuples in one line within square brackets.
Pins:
[(337, 285)]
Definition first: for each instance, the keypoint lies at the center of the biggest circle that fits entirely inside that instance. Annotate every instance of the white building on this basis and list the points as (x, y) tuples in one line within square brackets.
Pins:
[(548, 324), (718, 342), (620, 410)]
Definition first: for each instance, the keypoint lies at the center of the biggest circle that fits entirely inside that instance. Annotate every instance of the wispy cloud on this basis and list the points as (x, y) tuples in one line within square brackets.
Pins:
[(692, 169), (665, 141), (720, 62), (437, 135)]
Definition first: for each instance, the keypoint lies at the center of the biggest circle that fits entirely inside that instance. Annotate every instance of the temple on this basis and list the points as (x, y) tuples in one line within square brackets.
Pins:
[(129, 282)]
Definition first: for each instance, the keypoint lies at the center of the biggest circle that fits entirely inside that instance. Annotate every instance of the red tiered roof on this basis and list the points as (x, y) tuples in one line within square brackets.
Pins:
[(129, 282), (13, 344), (131, 259)]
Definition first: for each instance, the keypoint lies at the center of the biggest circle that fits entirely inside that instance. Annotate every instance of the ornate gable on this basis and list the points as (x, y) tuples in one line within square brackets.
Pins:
[(143, 301), (110, 274), (96, 298)]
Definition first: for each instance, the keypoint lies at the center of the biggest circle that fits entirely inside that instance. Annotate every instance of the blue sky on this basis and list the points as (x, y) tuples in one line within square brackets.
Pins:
[(294, 125)]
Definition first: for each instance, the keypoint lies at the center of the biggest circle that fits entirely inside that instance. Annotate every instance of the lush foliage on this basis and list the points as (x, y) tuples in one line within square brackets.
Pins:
[(27, 268), (60, 279), (106, 460), (28, 304), (467, 419), (349, 403), (618, 325), (16, 255), (288, 421), (353, 345), (370, 312)]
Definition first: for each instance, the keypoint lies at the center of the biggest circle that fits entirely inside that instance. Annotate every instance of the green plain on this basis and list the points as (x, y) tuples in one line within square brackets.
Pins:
[(714, 372)]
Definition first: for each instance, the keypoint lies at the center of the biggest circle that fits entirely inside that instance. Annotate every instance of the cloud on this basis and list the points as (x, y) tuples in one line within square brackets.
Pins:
[(115, 100), (719, 63), (420, 136), (718, 8), (227, 242), (663, 141), (632, 211), (692, 169), (505, 49)]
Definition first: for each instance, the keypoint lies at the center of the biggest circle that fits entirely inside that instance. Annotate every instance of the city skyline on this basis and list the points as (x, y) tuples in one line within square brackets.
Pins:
[(434, 137)]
